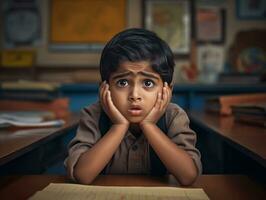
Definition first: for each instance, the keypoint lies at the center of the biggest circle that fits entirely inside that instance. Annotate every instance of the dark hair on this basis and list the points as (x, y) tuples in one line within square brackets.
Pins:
[(136, 45)]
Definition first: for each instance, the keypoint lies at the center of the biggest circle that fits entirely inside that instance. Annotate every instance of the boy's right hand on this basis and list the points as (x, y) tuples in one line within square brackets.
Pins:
[(108, 106)]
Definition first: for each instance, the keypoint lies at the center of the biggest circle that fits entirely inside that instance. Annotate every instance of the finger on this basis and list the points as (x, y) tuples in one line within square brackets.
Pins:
[(101, 90), (169, 90), (108, 98), (105, 90), (110, 103), (164, 92), (169, 95), (102, 85), (159, 101), (165, 98)]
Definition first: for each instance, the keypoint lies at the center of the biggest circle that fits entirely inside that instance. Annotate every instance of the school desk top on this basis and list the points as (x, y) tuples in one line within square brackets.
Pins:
[(248, 139), (15, 142), (217, 187)]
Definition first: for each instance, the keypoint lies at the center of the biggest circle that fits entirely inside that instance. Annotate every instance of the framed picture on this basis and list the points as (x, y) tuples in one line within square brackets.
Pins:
[(22, 23), (89, 28), (171, 20), (251, 9), (210, 25)]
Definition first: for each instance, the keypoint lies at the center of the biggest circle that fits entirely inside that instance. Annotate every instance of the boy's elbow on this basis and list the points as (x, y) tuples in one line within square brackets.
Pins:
[(82, 178), (188, 179)]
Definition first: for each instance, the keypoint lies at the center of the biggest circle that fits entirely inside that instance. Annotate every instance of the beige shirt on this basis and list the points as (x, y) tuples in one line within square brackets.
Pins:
[(132, 156)]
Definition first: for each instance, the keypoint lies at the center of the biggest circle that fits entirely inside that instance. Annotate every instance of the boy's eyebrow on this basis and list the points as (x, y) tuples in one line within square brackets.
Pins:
[(147, 74), (151, 75), (121, 75)]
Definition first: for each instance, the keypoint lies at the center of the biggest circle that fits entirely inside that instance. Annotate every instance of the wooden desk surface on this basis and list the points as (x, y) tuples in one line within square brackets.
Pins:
[(217, 187), (16, 141), (247, 138)]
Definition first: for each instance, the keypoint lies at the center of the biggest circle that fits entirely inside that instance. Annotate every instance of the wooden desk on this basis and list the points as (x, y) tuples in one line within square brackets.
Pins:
[(18, 142), (217, 187), (248, 140)]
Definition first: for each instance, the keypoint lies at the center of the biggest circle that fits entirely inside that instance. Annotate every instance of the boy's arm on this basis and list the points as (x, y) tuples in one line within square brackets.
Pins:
[(92, 162), (177, 161)]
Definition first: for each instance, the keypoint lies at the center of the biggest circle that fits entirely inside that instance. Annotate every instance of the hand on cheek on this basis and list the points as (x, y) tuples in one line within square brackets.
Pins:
[(109, 107), (162, 101)]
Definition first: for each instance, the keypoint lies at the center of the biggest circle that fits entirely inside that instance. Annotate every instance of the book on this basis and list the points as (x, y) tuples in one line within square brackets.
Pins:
[(29, 85), (250, 119), (77, 191), (240, 78), (59, 106), (29, 90), (29, 119), (250, 108), (223, 104), (254, 114)]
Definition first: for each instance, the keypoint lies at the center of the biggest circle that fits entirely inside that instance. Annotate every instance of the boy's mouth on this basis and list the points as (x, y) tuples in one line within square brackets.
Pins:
[(135, 110)]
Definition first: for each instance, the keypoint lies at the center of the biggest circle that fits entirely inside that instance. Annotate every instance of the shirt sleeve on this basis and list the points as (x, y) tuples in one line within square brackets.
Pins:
[(181, 134), (86, 136)]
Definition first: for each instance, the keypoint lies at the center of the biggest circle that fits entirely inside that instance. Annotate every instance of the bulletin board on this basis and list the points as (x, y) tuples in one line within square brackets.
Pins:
[(86, 21)]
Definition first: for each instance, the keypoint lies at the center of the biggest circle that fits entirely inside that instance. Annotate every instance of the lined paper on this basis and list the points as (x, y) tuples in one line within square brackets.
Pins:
[(66, 191)]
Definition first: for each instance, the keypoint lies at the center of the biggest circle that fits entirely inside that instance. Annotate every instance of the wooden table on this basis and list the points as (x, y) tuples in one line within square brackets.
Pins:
[(18, 142), (249, 139), (217, 187), (242, 146)]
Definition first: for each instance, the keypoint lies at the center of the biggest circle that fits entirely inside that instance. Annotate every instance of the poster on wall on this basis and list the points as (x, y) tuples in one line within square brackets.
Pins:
[(22, 23), (171, 20), (210, 25), (85, 25)]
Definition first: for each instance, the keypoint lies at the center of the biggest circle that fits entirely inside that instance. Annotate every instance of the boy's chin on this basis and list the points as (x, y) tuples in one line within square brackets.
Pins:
[(135, 120)]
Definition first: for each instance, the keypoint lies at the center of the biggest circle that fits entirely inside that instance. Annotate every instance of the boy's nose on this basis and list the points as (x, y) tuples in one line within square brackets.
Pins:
[(134, 95)]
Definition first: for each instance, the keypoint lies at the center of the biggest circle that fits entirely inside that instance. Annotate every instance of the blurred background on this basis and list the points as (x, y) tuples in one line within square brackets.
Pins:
[(61, 41)]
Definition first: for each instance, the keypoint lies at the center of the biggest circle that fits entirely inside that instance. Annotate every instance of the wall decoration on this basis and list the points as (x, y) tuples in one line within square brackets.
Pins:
[(17, 58), (85, 25), (171, 20), (210, 25), (247, 53), (210, 62), (251, 9), (22, 23)]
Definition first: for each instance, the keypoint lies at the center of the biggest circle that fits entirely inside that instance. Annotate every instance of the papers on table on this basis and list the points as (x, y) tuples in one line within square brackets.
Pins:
[(76, 191), (29, 119)]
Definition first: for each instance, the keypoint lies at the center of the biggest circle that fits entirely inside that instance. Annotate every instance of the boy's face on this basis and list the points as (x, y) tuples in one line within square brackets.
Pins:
[(134, 88)]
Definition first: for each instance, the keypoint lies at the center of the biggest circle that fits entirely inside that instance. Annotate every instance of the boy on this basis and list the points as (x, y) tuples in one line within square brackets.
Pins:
[(134, 129)]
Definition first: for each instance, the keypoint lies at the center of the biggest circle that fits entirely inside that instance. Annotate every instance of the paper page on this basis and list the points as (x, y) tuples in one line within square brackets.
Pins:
[(76, 191), (6, 122)]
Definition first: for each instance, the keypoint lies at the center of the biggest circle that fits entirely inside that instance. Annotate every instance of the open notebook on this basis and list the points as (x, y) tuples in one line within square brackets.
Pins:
[(76, 191)]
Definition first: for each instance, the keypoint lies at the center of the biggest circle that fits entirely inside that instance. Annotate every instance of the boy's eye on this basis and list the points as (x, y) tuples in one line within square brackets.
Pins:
[(148, 83), (122, 83)]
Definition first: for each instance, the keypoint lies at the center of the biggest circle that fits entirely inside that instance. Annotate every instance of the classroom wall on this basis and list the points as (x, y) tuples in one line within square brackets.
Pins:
[(83, 66), (233, 25)]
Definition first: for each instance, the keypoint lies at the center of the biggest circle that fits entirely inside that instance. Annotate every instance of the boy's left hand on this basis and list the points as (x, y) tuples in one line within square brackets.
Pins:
[(163, 99)]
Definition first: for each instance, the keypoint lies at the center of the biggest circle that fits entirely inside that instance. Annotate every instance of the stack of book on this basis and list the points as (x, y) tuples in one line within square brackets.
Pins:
[(28, 96), (58, 106), (254, 113), (223, 104), (29, 90)]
